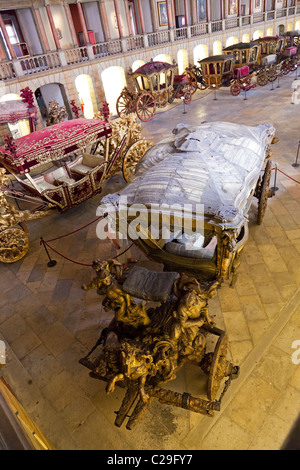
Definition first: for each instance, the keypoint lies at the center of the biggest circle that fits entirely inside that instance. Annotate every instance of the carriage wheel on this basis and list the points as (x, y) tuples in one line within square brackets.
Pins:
[(235, 89), (124, 105), (193, 83), (146, 107), (187, 97), (133, 155), (14, 244), (262, 79), (218, 368), (264, 192)]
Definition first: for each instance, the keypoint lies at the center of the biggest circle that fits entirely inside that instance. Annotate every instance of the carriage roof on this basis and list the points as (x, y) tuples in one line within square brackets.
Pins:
[(240, 46), (292, 33), (53, 143), (215, 58), (216, 165), (153, 67)]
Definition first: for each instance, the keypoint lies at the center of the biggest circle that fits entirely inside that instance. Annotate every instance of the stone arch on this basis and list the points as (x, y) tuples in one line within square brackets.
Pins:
[(50, 92), (114, 80), (217, 47), (182, 60), (258, 34), (200, 52), (137, 64), (86, 93), (232, 40), (163, 58)]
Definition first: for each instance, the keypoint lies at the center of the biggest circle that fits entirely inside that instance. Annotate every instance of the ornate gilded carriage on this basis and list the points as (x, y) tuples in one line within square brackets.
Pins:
[(244, 54), (156, 85), (51, 170), (196, 165)]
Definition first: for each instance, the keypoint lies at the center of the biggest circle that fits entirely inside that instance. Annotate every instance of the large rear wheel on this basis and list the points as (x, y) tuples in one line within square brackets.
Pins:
[(146, 107), (124, 105)]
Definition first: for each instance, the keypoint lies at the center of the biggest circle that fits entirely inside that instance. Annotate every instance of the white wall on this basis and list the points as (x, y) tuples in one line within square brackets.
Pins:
[(29, 27), (61, 22), (46, 24), (147, 17)]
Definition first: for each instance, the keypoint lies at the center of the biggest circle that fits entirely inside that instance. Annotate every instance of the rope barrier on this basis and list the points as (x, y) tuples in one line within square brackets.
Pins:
[(288, 176), (74, 231), (43, 242)]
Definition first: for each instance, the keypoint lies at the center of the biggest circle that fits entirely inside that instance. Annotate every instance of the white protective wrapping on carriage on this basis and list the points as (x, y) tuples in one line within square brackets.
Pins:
[(216, 164)]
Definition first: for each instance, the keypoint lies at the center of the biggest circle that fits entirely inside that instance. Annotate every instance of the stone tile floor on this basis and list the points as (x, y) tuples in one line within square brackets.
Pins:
[(48, 322)]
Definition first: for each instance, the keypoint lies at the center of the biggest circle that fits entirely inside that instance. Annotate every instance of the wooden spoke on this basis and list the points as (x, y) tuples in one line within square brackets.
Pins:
[(146, 107)]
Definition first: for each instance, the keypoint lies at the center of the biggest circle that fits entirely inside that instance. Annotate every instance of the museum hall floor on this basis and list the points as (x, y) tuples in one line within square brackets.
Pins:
[(48, 322)]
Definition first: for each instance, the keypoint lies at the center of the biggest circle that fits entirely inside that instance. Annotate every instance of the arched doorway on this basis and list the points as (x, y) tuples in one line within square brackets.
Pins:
[(163, 58), (114, 80), (270, 32), (297, 26), (182, 60), (200, 52), (281, 29), (51, 92), (232, 40), (246, 37), (137, 64), (258, 34), (217, 48), (87, 98), (21, 127), (290, 27)]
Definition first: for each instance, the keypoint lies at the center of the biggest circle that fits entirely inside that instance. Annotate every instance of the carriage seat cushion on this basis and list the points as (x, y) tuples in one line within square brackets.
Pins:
[(181, 79), (201, 253), (85, 163), (241, 71), (150, 285), (40, 182), (290, 51)]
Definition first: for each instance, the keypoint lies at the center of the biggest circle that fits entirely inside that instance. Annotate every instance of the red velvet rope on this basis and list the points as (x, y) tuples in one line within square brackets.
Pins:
[(77, 262), (288, 176), (74, 231)]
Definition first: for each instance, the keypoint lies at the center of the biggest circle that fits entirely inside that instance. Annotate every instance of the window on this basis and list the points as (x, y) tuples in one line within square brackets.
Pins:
[(13, 39)]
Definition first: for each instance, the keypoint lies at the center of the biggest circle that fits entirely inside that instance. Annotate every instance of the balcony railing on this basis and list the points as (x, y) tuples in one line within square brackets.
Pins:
[(199, 29), (106, 49), (16, 68), (40, 63), (7, 71), (180, 33), (231, 23), (160, 37), (135, 43)]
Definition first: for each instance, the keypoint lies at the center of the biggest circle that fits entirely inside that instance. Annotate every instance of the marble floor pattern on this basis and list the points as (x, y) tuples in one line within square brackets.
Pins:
[(48, 322)]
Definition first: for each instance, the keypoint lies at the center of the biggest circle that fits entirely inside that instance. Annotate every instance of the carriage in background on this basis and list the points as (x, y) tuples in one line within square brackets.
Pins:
[(156, 85)]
